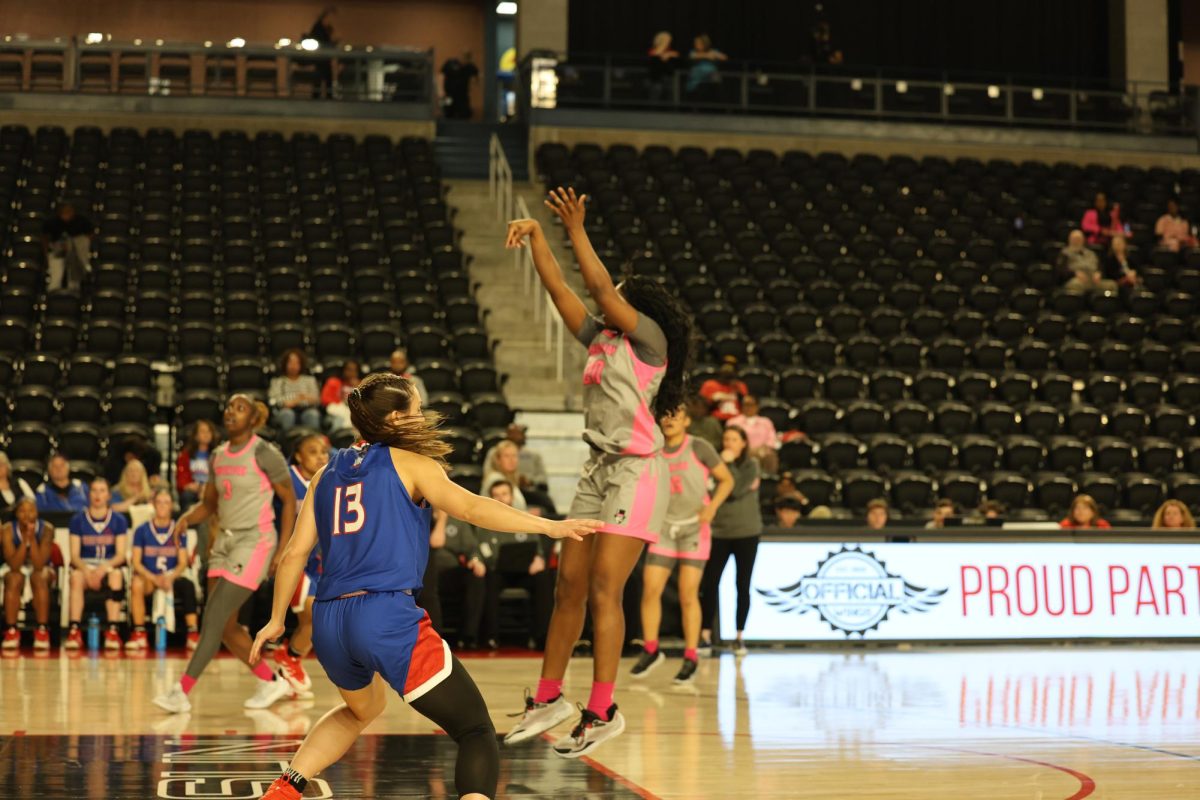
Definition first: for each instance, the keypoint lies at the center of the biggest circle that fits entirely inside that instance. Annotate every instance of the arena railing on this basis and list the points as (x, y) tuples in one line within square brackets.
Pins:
[(283, 70), (509, 206), (611, 83)]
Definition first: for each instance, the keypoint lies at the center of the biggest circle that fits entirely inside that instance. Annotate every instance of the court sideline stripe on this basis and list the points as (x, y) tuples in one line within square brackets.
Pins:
[(1086, 784), (612, 774)]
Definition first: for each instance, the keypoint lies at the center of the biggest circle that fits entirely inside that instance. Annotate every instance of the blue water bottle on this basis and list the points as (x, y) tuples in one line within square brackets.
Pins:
[(160, 636), (93, 632)]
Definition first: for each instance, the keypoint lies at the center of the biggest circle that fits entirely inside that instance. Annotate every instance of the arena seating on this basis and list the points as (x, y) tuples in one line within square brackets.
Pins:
[(213, 254), (906, 315)]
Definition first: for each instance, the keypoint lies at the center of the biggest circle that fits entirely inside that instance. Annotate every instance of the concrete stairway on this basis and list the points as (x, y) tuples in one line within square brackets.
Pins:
[(461, 148), (521, 353)]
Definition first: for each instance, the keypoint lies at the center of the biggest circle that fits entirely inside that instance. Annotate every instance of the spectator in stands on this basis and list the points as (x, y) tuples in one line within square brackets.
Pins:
[(704, 426), (322, 33), (334, 394), (429, 598), (1100, 222), (944, 509), (97, 553), (1173, 514), (505, 465), (877, 514), (61, 492), (28, 546), (703, 75), (531, 465), (67, 242), (191, 468), (788, 511), (786, 488), (1081, 267), (398, 365), (1173, 231), (457, 77), (12, 488), (736, 530), (294, 393), (724, 393), (662, 61), (160, 562), (133, 489), (1084, 513), (470, 571), (764, 441), (128, 448), (824, 51), (992, 509), (1116, 264)]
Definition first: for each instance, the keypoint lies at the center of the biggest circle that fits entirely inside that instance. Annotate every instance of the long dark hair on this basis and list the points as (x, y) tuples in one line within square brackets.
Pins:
[(651, 298), (745, 442), (192, 444), (371, 406)]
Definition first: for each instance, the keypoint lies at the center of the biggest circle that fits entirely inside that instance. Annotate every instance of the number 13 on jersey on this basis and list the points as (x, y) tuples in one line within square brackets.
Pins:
[(353, 516)]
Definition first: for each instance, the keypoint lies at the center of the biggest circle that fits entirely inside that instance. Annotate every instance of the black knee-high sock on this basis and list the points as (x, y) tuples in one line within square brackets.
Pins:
[(456, 706)]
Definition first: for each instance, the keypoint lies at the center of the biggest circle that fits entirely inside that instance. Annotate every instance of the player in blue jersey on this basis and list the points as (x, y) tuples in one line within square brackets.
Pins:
[(312, 453), (370, 510), (160, 559), (97, 555)]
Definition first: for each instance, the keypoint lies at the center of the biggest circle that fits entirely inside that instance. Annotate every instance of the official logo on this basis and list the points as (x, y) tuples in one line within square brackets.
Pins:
[(853, 592)]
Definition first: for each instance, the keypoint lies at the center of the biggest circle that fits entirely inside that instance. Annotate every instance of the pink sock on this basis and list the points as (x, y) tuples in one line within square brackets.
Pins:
[(601, 699), (187, 683), (651, 646), (690, 653), (263, 671), (547, 690)]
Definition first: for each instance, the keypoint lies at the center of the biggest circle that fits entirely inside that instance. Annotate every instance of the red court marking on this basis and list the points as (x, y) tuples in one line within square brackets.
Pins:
[(645, 794), (18, 733), (231, 732), (1086, 784)]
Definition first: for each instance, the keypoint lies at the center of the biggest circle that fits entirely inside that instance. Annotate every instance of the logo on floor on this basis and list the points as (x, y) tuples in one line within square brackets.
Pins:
[(227, 768), (853, 592)]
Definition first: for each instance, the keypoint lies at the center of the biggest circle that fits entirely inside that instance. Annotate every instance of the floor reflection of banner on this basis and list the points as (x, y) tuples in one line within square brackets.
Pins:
[(803, 591)]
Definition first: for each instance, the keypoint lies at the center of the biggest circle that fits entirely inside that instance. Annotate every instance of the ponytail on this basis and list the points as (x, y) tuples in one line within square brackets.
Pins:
[(261, 414), (379, 412)]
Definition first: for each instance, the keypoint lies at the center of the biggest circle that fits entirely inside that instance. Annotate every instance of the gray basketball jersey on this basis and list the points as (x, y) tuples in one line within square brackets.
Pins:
[(245, 497)]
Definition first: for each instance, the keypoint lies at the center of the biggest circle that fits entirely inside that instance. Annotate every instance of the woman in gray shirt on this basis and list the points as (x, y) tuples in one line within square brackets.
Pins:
[(294, 394), (735, 532)]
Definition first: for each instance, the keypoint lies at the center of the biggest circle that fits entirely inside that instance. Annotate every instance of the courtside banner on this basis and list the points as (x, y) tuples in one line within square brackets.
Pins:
[(806, 591)]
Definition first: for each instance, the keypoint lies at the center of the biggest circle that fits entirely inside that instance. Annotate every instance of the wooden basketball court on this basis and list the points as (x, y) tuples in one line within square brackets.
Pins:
[(1060, 723)]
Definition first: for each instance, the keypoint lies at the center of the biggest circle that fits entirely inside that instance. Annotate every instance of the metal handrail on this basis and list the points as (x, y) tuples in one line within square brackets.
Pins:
[(510, 205)]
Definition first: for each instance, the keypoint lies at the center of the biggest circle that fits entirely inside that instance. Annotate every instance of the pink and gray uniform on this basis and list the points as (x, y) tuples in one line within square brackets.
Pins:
[(623, 482), (684, 538), (245, 507)]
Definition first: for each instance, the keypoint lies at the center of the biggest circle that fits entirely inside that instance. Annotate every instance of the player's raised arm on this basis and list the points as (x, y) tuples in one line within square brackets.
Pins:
[(570, 307), (429, 480), (571, 209)]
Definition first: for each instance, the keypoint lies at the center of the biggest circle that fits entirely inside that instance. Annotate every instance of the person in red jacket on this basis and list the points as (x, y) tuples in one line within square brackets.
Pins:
[(334, 394), (724, 393), (191, 466), (1084, 513)]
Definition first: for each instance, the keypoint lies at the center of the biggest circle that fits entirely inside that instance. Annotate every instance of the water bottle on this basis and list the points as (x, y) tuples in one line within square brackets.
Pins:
[(93, 633), (160, 636)]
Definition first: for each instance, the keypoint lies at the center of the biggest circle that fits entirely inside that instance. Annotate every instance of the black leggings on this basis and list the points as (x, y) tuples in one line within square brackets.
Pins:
[(743, 552), (456, 706)]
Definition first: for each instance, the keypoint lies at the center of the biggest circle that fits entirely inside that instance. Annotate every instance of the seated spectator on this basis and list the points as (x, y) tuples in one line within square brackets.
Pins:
[(128, 448), (1116, 264), (159, 563), (788, 511), (703, 75), (764, 441), (61, 492), (1084, 513), (786, 487), (1173, 514), (877, 514), (399, 365), (12, 488), (97, 553), (992, 509), (724, 393), (1173, 231), (531, 469), (703, 426), (1081, 266), (28, 547), (133, 489), (662, 60), (67, 241), (439, 560), (294, 393), (505, 465), (944, 509), (191, 467), (335, 392), (1101, 223)]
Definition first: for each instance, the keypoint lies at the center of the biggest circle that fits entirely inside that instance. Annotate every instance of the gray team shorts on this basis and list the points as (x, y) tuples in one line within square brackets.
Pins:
[(629, 494)]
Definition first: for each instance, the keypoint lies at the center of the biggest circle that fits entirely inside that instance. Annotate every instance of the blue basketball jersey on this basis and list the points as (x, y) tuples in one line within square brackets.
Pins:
[(373, 537), (300, 487), (159, 552), (40, 529), (98, 537)]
